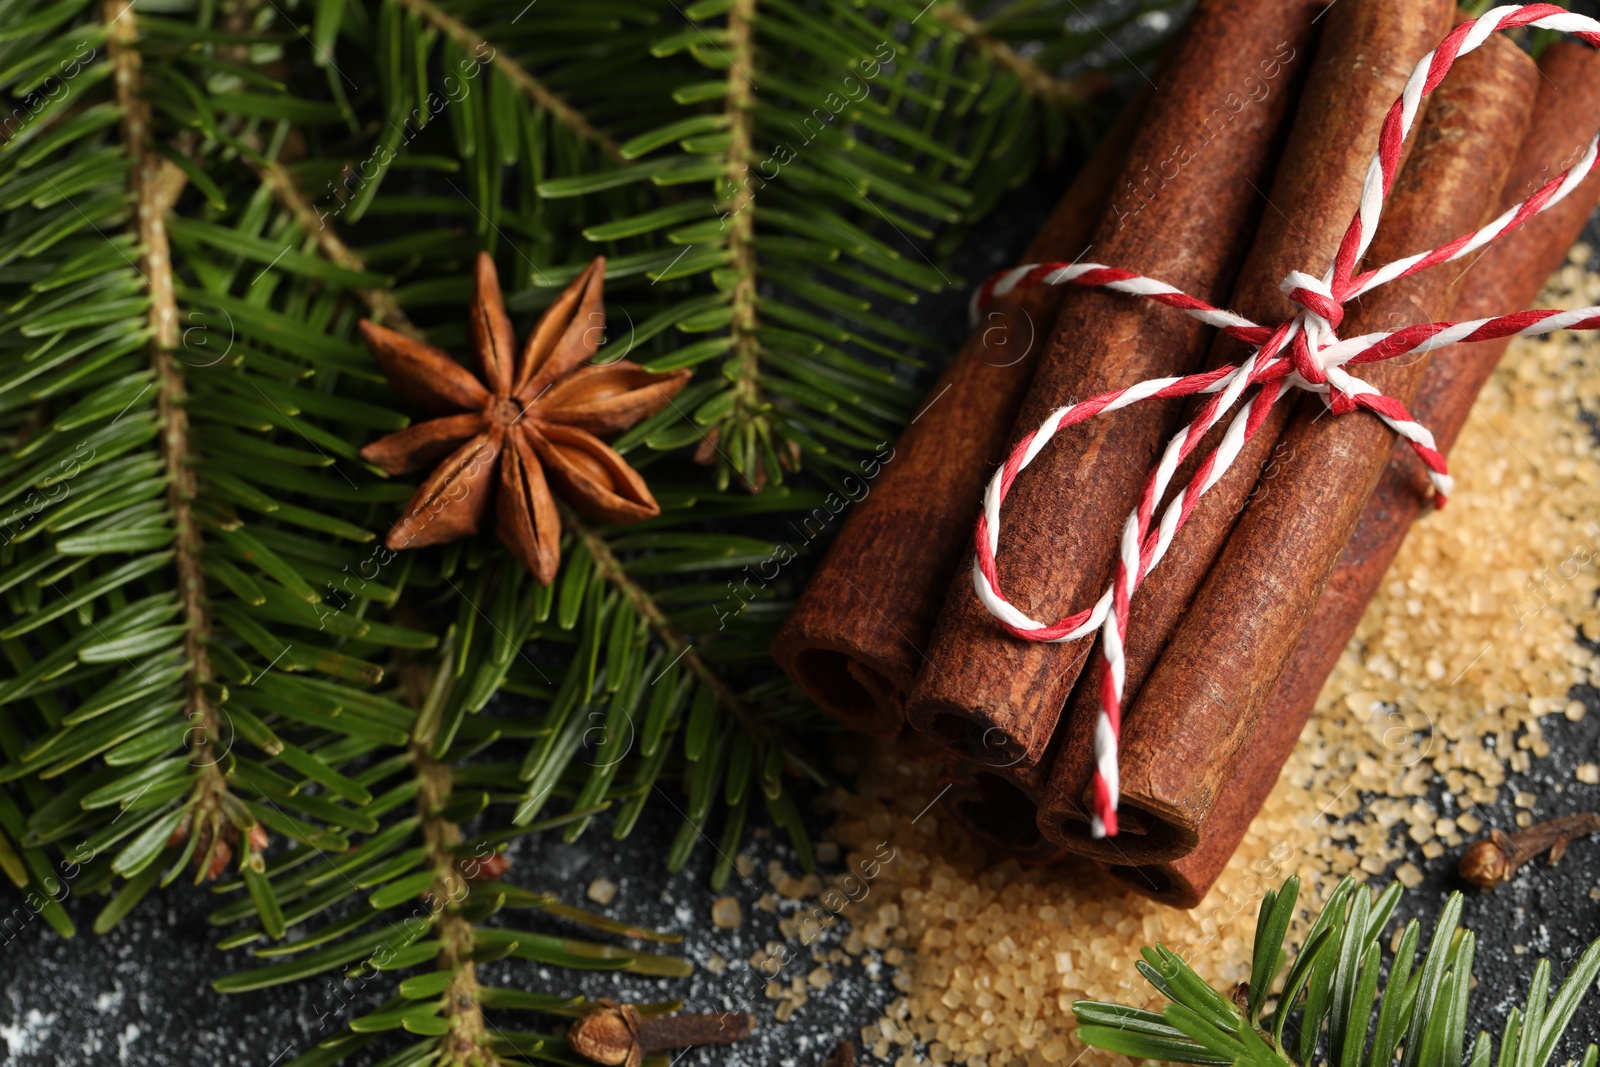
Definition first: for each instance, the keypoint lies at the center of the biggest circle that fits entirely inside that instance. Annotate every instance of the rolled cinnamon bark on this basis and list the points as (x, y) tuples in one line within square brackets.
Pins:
[(1193, 720), (998, 806), (1505, 279), (855, 640), (1366, 52), (1189, 192)]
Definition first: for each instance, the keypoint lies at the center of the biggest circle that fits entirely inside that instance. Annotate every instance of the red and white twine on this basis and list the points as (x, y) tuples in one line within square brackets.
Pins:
[(1303, 353)]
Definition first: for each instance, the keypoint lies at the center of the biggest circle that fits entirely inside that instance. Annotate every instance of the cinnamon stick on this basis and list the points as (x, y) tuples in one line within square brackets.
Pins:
[(856, 637), (1506, 278), (1198, 710), (1366, 53), (1189, 189)]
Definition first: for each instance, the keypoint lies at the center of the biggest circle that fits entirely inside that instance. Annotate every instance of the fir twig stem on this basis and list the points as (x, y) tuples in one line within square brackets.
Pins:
[(384, 308), (156, 183), (1038, 82), (745, 352), (537, 91), (676, 644), (464, 1043)]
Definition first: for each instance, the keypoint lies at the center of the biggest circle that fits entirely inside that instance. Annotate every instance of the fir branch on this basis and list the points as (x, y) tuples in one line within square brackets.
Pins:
[(873, 141), (1332, 991), (474, 44)]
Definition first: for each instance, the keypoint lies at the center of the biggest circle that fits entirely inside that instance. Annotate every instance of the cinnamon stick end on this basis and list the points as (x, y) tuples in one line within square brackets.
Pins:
[(1160, 881), (842, 678), (1143, 837), (999, 813), (969, 735)]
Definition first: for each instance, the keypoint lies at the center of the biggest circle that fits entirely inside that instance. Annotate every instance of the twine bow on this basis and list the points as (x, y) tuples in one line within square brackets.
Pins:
[(1304, 352)]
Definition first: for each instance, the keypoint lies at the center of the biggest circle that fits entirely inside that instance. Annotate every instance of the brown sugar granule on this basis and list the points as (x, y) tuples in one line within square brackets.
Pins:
[(1438, 696), (725, 913)]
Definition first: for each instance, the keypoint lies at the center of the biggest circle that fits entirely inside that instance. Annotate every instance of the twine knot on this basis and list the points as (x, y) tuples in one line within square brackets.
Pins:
[(1312, 334), (1315, 297), (1304, 352)]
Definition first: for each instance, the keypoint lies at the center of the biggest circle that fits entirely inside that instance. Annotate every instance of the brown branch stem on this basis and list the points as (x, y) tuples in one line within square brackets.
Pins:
[(384, 308), (468, 1031), (1036, 81), (675, 643), (155, 183), (746, 351), (517, 74)]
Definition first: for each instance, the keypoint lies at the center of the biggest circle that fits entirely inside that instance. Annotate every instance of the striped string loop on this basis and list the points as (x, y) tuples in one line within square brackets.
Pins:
[(1305, 352)]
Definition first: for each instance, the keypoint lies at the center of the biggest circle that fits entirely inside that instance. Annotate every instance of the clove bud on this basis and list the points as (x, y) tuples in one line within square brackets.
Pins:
[(1494, 859), (843, 1055), (616, 1035)]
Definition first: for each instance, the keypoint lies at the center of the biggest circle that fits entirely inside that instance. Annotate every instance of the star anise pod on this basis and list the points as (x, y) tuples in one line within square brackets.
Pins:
[(502, 441)]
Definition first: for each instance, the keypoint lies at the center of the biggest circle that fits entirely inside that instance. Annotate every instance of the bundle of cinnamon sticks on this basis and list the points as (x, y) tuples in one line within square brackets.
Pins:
[(1243, 164)]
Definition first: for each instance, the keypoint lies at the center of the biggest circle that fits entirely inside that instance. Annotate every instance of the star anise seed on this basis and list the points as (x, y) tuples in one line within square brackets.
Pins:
[(502, 441)]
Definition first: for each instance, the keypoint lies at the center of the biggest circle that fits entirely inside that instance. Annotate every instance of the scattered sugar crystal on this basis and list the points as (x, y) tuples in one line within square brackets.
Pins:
[(725, 913)]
